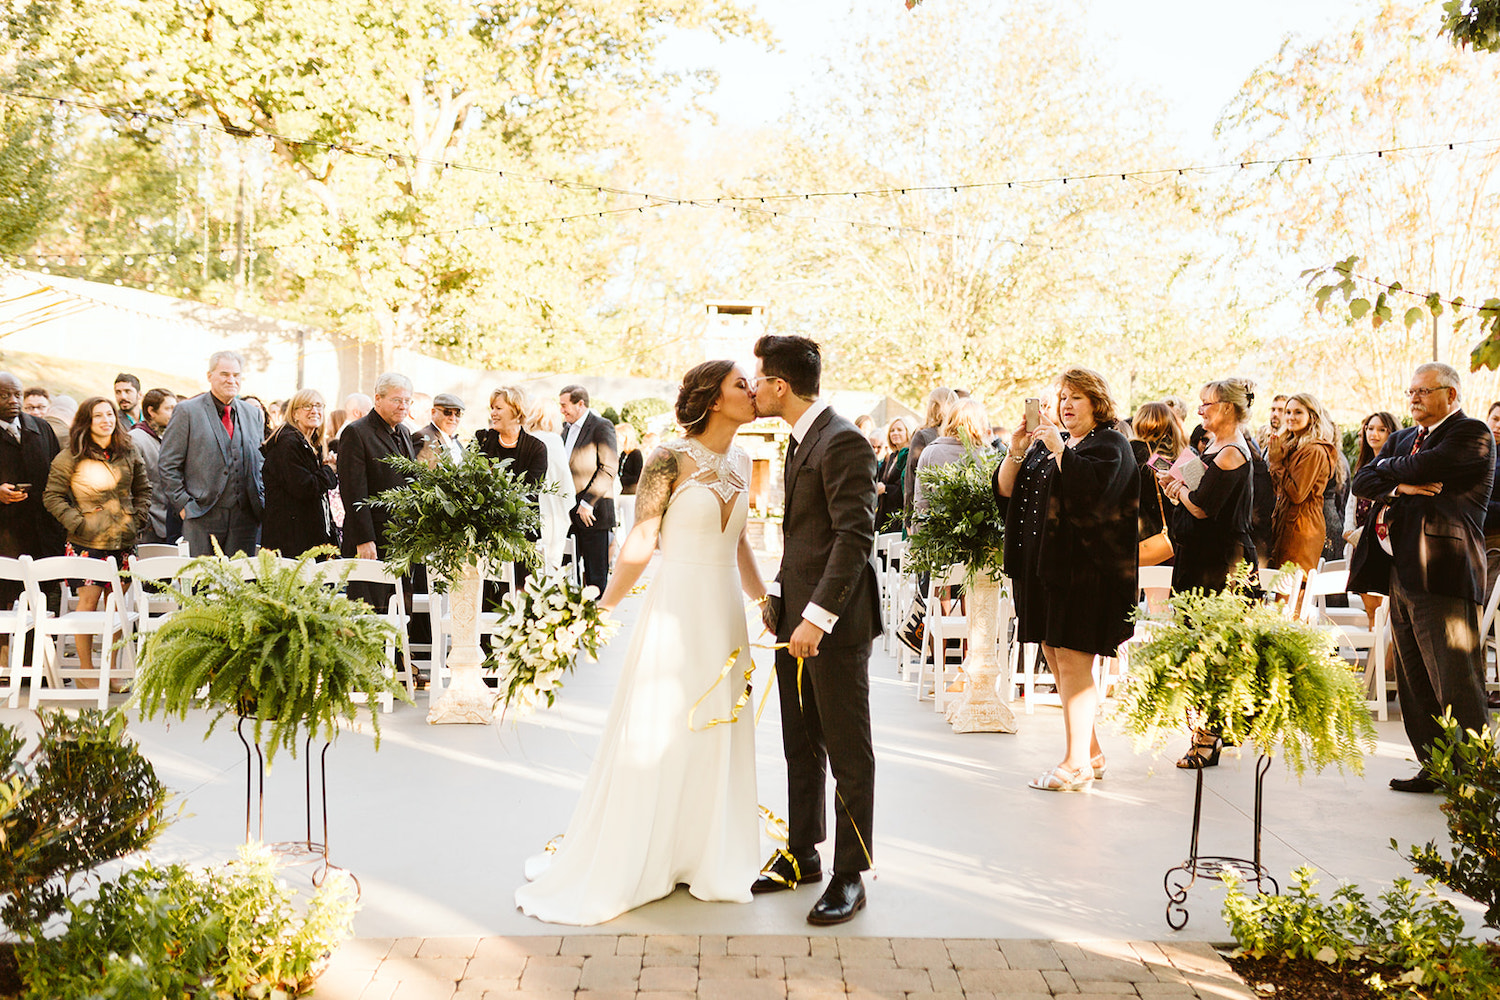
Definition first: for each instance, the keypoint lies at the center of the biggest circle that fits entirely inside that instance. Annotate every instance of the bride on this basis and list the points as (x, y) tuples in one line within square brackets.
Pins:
[(665, 804)]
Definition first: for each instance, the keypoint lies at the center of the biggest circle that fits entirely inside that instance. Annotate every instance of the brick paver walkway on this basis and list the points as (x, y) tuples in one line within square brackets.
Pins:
[(677, 967)]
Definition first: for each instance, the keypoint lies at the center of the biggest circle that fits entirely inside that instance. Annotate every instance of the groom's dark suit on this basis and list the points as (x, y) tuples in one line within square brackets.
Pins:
[(829, 532)]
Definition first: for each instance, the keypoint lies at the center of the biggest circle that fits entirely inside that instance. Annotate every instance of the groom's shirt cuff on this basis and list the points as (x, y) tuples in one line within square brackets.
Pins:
[(820, 619)]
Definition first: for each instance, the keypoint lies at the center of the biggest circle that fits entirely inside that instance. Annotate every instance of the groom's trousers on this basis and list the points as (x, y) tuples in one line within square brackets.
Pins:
[(828, 726)]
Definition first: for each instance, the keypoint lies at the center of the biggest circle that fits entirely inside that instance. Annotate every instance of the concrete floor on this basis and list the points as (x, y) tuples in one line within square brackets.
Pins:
[(436, 825)]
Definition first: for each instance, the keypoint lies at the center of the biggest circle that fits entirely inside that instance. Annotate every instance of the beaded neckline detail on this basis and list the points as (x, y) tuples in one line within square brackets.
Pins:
[(719, 473)]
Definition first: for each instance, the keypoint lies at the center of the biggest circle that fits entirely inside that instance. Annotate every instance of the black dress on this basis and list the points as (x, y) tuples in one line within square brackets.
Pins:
[(1207, 548), (297, 516), (1071, 544), (528, 456)]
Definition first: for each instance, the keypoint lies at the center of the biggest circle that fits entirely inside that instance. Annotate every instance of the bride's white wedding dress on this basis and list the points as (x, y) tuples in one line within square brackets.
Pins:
[(664, 805)]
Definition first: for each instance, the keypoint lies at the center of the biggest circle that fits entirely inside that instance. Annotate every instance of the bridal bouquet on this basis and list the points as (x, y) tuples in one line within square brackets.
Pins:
[(543, 627)]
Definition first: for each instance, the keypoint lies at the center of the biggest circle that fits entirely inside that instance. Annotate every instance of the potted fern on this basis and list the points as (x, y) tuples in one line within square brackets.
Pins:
[(960, 524), (1234, 665), (268, 647), (453, 519)]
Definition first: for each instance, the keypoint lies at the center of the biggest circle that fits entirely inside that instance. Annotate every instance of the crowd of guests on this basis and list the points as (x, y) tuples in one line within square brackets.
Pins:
[(223, 469)]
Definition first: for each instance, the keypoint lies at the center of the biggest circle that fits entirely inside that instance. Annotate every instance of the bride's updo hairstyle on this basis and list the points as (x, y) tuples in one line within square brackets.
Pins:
[(699, 392)]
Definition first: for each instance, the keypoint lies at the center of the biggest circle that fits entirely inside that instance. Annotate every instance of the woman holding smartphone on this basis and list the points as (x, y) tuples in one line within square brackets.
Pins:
[(1071, 495)]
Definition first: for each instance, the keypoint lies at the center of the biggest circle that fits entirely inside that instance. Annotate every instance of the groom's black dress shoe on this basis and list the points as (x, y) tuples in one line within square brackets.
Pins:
[(1419, 782), (844, 897), (780, 873)]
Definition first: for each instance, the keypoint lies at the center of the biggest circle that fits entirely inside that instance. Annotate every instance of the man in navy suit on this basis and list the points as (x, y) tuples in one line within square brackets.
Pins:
[(1424, 546), (594, 459), (210, 463)]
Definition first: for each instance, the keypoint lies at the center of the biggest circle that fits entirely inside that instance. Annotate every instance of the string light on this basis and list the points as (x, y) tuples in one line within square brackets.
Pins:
[(392, 158)]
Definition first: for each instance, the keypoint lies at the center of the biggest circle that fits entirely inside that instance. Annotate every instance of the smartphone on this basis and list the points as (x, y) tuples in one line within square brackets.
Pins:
[(1033, 414), (23, 487)]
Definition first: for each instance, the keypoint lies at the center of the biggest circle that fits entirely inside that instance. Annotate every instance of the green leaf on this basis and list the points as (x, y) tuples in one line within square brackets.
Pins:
[(1358, 307), (1413, 316)]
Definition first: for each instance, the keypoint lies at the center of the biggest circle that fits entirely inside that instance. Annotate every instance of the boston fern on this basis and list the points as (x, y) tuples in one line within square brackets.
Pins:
[(286, 653), (479, 509), (960, 522), (1231, 664)]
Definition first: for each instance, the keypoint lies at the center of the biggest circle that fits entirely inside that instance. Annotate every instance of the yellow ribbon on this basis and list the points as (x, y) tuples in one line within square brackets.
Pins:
[(776, 828), (745, 695)]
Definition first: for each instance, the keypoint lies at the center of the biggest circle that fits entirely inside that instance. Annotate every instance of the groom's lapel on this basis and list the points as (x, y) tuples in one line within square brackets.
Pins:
[(804, 448)]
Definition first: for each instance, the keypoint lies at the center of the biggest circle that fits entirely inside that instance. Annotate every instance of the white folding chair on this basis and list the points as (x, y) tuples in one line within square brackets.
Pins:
[(1489, 638), (152, 550), (887, 582), (938, 630), (16, 622), (570, 562), (374, 571), (1284, 585), (151, 604), (1316, 590), (112, 622)]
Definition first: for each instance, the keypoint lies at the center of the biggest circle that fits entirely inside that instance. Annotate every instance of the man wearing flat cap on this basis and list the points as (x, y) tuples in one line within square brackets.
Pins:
[(439, 439)]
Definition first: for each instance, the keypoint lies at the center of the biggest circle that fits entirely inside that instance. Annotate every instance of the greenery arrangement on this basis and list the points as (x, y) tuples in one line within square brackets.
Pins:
[(638, 411), (179, 932), (543, 627), (272, 648), (1412, 945), (1229, 663), (961, 522), (1467, 767), (83, 796), (457, 513)]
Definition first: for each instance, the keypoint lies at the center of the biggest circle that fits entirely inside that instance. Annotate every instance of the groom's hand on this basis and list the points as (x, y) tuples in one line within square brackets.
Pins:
[(804, 641)]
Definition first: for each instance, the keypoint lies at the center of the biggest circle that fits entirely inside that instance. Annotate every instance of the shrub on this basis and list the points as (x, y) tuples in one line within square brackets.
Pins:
[(637, 412), (1414, 933), (1467, 766), (82, 797), (177, 932)]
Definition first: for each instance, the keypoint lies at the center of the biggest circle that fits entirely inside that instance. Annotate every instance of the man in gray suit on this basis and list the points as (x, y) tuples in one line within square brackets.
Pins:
[(826, 609), (210, 463)]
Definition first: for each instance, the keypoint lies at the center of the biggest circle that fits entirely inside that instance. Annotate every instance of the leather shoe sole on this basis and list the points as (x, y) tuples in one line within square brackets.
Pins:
[(835, 908), (1419, 783)]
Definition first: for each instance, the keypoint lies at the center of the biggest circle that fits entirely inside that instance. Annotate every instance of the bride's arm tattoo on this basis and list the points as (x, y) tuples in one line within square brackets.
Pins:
[(655, 485)]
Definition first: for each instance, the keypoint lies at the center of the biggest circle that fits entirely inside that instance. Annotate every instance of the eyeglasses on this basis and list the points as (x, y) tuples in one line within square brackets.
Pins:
[(755, 383), (1422, 393)]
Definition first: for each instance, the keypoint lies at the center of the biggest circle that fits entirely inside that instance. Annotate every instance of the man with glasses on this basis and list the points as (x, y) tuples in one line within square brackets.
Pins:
[(210, 463), (439, 439), (1424, 546)]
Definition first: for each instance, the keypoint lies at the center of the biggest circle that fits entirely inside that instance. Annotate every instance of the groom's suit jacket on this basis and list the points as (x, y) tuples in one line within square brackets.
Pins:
[(828, 525)]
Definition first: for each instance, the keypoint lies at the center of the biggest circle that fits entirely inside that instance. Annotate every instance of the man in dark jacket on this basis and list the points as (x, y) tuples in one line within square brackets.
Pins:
[(27, 448), (1424, 546)]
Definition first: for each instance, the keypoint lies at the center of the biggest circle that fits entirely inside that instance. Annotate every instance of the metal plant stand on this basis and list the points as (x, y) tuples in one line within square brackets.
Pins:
[(1179, 880), (291, 853)]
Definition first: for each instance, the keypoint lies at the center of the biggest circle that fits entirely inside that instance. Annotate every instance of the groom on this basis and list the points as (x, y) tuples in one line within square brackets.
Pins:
[(825, 606)]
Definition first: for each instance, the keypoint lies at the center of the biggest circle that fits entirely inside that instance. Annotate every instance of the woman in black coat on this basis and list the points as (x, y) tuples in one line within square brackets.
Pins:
[(1071, 496), (297, 481), (506, 439)]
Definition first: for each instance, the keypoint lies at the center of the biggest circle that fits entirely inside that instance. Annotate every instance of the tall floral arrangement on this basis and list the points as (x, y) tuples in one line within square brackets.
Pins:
[(960, 523)]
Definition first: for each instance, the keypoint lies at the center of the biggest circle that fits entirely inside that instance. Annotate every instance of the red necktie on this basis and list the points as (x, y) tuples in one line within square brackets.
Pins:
[(1382, 529), (229, 420)]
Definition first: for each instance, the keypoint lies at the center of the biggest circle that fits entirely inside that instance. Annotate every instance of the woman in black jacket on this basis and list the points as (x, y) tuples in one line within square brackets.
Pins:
[(297, 479), (1071, 496), (506, 439)]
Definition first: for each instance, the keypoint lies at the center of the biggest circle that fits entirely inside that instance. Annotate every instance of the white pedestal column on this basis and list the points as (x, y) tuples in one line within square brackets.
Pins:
[(980, 710), (467, 699)]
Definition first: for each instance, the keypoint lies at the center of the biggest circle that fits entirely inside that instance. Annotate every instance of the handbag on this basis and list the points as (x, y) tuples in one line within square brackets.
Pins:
[(914, 625), (1157, 549)]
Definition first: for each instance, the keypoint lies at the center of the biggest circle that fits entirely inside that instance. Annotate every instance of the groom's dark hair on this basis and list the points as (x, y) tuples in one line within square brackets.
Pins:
[(795, 360)]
